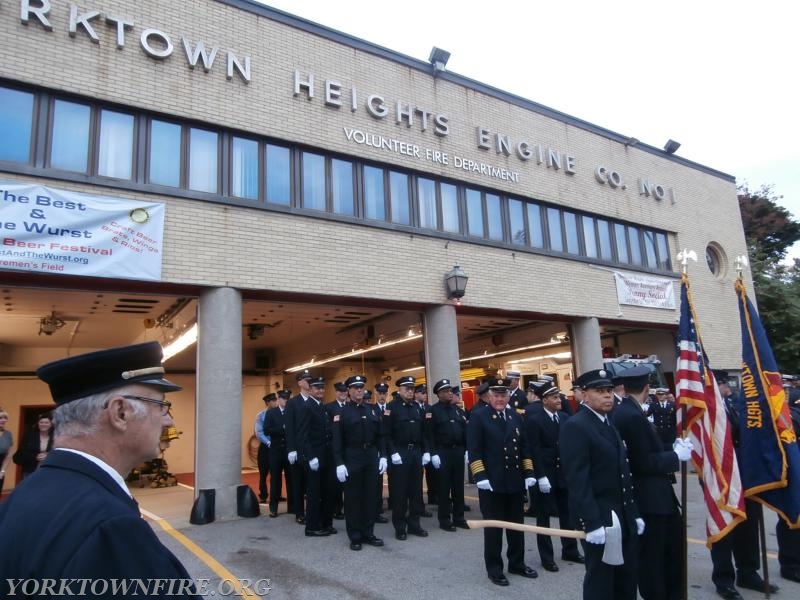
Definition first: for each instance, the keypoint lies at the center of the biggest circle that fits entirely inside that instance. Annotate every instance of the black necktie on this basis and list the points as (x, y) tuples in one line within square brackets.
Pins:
[(555, 418), (503, 416)]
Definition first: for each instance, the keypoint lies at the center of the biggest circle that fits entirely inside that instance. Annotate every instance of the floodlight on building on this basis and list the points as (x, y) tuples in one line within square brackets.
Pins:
[(438, 59), (671, 147)]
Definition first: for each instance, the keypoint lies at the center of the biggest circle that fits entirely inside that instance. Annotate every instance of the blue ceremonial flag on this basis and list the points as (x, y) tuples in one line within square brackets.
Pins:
[(769, 458)]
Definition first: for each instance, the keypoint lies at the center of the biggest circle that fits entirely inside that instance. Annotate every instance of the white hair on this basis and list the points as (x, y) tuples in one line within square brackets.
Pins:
[(79, 418)]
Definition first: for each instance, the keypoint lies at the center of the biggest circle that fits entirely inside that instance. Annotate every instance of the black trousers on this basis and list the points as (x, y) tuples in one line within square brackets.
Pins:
[(278, 467), (788, 546), (660, 559), (263, 471), (555, 502), (740, 545), (298, 477), (431, 475), (505, 507), (607, 582), (359, 492), (450, 481), (405, 490), (320, 490)]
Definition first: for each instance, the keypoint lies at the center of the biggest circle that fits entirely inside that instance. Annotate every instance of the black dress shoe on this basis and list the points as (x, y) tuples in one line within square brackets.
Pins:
[(355, 546), (498, 580), (791, 574), (316, 533), (529, 513), (331, 530), (374, 541), (577, 558), (461, 524), (300, 520), (400, 535), (427, 513), (550, 566), (380, 519), (262, 500), (418, 532), (338, 516), (273, 514), (447, 527), (525, 572), (756, 584), (729, 593), (467, 508)]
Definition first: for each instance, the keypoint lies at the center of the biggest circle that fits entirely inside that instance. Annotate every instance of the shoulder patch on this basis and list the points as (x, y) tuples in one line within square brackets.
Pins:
[(335, 418)]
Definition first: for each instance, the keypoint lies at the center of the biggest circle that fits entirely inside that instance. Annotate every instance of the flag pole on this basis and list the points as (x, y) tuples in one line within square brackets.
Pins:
[(683, 258)]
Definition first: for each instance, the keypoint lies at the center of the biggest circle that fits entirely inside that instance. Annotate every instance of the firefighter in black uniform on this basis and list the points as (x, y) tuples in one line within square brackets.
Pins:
[(446, 428), (381, 389), (502, 466), (360, 455), (275, 428), (665, 417), (517, 398), (294, 407), (407, 448), (334, 408)]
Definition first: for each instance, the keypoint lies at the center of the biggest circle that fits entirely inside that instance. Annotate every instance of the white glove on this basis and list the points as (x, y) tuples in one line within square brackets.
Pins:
[(436, 461), (544, 485), (466, 458), (530, 482), (683, 448), (382, 466), (652, 419), (598, 536), (640, 526), (313, 464), (341, 473), (396, 460), (426, 458), (484, 484), (292, 457)]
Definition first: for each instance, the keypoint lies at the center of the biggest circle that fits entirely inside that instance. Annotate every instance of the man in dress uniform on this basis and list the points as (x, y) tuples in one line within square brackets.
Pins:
[(446, 428), (665, 417), (407, 447), (334, 408), (381, 390), (652, 467), (421, 398), (264, 443), (599, 482), (294, 407), (741, 544), (360, 454), (541, 429), (517, 398), (315, 453), (501, 464), (74, 518), (275, 426)]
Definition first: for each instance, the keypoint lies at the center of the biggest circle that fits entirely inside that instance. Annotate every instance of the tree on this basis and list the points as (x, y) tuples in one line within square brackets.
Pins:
[(770, 230)]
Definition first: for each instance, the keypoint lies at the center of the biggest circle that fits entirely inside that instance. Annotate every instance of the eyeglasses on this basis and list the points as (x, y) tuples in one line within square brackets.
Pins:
[(165, 406)]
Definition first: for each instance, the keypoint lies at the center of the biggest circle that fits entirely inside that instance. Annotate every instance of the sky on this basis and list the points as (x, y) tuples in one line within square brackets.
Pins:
[(718, 77)]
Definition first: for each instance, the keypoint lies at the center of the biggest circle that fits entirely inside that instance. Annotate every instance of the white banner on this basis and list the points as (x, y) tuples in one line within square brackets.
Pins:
[(644, 290), (46, 230)]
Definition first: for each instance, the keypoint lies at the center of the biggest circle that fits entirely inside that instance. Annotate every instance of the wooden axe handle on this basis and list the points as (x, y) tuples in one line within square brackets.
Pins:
[(567, 533)]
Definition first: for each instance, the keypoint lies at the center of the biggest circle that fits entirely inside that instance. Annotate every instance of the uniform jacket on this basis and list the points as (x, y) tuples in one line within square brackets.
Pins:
[(498, 450), (275, 427), (598, 480), (294, 406), (665, 421), (518, 400), (314, 432), (404, 424), (69, 519), (650, 465), (356, 426), (446, 426), (542, 435)]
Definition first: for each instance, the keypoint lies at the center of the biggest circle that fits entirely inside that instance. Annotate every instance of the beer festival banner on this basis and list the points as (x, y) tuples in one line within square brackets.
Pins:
[(644, 290), (47, 230)]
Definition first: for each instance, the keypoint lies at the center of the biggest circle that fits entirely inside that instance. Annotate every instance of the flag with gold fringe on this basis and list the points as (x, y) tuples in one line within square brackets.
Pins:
[(769, 458)]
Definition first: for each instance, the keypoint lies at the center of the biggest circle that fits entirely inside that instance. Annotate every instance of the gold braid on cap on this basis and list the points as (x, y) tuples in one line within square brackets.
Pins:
[(139, 372)]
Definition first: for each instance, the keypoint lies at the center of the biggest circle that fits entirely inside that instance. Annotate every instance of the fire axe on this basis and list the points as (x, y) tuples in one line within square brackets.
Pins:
[(612, 552)]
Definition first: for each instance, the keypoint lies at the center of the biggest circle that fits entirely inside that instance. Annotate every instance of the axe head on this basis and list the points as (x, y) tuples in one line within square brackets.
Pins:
[(612, 552)]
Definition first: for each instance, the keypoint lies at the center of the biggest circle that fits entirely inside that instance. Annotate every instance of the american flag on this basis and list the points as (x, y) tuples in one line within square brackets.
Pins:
[(706, 425)]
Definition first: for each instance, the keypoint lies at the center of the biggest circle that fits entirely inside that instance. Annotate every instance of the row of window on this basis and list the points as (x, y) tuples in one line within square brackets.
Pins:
[(61, 135)]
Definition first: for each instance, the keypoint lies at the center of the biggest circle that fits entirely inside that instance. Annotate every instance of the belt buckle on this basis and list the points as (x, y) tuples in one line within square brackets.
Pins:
[(411, 446)]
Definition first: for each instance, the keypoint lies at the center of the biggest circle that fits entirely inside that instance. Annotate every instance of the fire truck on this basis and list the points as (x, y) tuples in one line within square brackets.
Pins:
[(618, 365)]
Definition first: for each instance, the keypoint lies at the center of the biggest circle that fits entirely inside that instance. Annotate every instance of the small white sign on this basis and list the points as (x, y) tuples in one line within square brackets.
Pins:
[(645, 290)]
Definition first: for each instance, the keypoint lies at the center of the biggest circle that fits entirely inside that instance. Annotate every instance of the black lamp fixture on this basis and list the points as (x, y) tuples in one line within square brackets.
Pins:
[(438, 59), (455, 280), (671, 147)]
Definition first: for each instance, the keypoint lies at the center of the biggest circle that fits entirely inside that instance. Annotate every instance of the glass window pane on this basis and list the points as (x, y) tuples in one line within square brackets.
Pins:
[(313, 181), (342, 184), (663, 251), (606, 252), (589, 237), (244, 168), (474, 213), (650, 248), (278, 175), (426, 190), (398, 197), (16, 122), (165, 153), (449, 207), (633, 244), (70, 146), (115, 156), (517, 219), (554, 229), (203, 162), (535, 225), (374, 194), (571, 228), (621, 242), (494, 216)]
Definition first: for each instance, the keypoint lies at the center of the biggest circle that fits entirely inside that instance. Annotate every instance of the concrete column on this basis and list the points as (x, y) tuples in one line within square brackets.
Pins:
[(441, 346), (219, 397), (587, 347)]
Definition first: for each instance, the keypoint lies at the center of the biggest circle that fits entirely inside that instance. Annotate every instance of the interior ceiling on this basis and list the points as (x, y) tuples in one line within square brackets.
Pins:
[(284, 333)]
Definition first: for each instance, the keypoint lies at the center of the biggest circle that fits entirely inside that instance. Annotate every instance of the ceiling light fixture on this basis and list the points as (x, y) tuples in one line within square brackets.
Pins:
[(50, 324), (410, 336), (180, 343)]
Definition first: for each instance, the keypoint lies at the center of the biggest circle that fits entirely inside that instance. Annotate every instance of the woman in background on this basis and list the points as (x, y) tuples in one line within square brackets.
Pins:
[(6, 441), (35, 445)]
